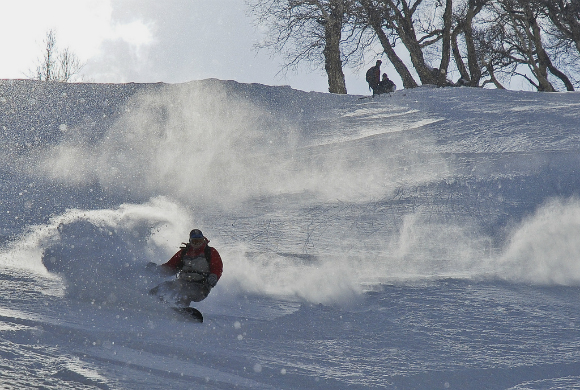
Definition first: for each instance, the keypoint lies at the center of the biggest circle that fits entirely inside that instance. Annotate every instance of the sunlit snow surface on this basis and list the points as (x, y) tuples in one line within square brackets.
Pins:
[(422, 240)]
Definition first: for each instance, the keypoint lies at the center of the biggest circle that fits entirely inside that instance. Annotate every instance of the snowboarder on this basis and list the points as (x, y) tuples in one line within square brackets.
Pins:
[(373, 76), (198, 268), (386, 85)]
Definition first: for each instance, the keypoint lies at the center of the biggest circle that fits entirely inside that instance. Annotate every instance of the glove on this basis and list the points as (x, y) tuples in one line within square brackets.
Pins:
[(211, 280)]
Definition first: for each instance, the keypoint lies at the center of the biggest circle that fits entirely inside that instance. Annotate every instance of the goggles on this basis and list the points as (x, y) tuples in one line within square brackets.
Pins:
[(196, 241)]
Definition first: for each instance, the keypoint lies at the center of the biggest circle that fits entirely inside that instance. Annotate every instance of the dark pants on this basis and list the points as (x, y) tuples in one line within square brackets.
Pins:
[(374, 87), (180, 292)]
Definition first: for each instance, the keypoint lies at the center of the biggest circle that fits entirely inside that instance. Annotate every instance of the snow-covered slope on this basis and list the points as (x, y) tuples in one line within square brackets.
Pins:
[(422, 240)]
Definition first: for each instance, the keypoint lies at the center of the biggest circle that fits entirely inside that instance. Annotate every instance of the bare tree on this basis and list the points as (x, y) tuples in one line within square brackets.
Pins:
[(563, 36), (56, 65), (565, 16), (523, 44), (465, 43), (46, 69), (446, 43), (497, 66), (373, 14), (424, 27), (305, 30), (486, 41), (68, 65), (332, 21), (489, 40), (401, 16)]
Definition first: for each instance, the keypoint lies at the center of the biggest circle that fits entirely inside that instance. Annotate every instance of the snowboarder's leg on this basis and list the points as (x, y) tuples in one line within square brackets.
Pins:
[(192, 292), (181, 294), (157, 289), (165, 291)]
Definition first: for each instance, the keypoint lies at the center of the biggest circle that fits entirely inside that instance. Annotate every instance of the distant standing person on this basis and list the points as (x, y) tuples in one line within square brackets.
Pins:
[(373, 76)]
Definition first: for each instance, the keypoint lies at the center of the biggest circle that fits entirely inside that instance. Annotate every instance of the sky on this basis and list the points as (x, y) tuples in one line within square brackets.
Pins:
[(168, 41)]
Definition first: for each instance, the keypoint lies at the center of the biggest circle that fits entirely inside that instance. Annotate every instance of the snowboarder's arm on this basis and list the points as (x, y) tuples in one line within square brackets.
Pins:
[(216, 266), (172, 264)]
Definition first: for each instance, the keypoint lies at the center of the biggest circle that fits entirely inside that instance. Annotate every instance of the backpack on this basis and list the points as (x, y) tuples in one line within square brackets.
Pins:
[(370, 75), (206, 252), (194, 275)]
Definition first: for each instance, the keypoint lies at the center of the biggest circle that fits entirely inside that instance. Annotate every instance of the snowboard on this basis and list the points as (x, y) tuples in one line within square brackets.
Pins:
[(190, 313)]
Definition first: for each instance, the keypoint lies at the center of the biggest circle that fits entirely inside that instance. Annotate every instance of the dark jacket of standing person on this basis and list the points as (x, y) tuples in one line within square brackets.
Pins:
[(373, 76)]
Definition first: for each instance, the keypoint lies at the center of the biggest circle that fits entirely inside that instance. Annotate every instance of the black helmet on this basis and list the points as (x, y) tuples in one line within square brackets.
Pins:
[(195, 233)]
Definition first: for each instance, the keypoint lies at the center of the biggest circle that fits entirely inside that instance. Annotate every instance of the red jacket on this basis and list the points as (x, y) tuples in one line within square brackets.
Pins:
[(215, 265)]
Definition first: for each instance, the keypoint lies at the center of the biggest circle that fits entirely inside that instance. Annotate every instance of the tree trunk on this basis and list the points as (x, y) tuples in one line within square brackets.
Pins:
[(403, 22), (539, 65), (457, 56), (472, 60), (543, 57), (331, 52), (398, 64), (559, 74), (492, 77), (446, 45)]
